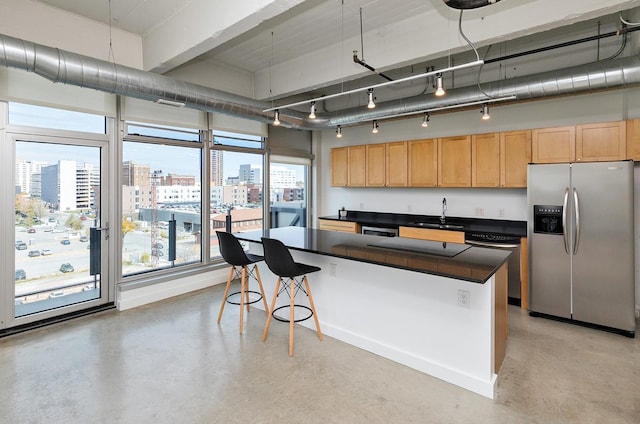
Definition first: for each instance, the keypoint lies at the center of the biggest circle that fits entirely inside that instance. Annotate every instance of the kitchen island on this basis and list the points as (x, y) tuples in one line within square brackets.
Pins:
[(436, 307)]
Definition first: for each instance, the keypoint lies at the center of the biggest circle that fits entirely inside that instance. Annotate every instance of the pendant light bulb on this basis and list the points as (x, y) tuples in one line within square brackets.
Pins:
[(276, 118), (312, 113), (375, 127), (339, 132), (371, 104), (485, 112), (425, 120), (439, 87)]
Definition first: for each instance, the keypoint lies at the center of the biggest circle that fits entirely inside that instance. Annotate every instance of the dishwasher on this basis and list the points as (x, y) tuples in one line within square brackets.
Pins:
[(502, 241)]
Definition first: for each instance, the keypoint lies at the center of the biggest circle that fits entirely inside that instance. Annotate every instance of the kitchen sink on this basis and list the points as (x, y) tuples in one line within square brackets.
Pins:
[(439, 226)]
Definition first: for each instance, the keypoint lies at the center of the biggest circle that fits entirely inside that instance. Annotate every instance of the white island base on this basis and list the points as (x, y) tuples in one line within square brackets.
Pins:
[(413, 318)]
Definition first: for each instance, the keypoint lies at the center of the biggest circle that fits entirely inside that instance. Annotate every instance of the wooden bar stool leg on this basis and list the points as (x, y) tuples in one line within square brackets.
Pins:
[(226, 292), (292, 288), (264, 298), (242, 290), (313, 308), (270, 310)]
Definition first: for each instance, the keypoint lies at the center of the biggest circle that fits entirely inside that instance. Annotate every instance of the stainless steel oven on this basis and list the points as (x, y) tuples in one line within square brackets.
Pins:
[(379, 231), (501, 241)]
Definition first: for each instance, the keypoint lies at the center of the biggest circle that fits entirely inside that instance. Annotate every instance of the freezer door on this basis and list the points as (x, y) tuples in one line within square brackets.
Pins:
[(549, 264), (603, 262)]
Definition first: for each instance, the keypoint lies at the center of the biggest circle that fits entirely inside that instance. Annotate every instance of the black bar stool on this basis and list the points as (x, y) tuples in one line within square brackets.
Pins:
[(233, 253), (281, 263)]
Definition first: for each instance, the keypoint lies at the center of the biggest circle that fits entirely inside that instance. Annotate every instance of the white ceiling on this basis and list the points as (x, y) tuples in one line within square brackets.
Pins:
[(282, 35)]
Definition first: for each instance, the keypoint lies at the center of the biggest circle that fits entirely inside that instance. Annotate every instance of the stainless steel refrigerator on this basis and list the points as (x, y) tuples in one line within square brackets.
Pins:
[(581, 243)]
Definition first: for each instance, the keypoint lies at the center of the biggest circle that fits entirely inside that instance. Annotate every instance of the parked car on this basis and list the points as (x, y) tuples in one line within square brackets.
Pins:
[(31, 230), (57, 293), (45, 252), (66, 267), (65, 241), (21, 246), (157, 246), (34, 253), (20, 274), (84, 238), (156, 252)]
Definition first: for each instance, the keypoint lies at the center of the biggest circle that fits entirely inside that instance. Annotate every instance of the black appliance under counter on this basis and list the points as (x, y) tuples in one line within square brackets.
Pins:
[(457, 261)]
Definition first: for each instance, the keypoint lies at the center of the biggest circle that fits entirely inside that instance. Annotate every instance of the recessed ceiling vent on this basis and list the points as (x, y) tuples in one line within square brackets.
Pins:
[(468, 4)]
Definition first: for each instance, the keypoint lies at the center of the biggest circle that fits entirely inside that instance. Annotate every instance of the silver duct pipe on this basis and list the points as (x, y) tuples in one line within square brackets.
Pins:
[(83, 71), (609, 74), (70, 68)]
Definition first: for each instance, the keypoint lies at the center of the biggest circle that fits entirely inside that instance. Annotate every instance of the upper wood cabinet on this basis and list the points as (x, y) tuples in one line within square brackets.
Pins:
[(633, 139), (423, 163), (515, 155), (601, 142), (339, 170), (486, 160), (396, 164), (356, 160), (376, 160), (553, 145), (454, 161)]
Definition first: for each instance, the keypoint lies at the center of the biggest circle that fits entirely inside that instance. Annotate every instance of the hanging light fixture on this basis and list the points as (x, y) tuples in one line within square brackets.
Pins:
[(485, 112), (425, 120), (439, 87), (375, 127), (276, 118), (339, 132), (371, 104), (312, 113)]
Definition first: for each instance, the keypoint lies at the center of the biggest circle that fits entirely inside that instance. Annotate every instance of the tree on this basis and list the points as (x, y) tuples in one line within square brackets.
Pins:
[(74, 223), (127, 227)]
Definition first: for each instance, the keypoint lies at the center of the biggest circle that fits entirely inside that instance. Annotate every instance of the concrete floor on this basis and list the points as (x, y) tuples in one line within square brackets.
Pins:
[(170, 362)]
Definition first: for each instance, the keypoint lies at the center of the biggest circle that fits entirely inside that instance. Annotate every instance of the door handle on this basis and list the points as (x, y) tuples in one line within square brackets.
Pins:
[(106, 230), (564, 219), (576, 238)]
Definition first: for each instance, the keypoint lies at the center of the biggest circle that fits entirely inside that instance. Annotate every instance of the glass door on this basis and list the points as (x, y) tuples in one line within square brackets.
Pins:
[(60, 236)]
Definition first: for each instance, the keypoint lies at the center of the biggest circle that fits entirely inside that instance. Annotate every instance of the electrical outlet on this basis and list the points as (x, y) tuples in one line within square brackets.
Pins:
[(333, 270), (479, 211), (464, 298), (501, 213)]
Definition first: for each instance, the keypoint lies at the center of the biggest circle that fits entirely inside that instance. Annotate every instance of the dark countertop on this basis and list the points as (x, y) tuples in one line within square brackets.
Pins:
[(395, 220), (473, 264)]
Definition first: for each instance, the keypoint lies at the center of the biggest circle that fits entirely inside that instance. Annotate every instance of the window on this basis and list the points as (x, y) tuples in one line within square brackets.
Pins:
[(288, 191), (161, 188), (45, 117)]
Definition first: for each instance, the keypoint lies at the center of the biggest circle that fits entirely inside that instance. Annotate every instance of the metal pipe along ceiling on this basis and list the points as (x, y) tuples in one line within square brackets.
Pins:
[(70, 68)]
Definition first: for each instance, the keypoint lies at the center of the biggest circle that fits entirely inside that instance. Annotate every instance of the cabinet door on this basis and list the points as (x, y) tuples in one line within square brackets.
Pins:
[(339, 167), (357, 166), (454, 161), (396, 164), (633, 139), (601, 142), (515, 155), (376, 175), (485, 160), (553, 145), (423, 163)]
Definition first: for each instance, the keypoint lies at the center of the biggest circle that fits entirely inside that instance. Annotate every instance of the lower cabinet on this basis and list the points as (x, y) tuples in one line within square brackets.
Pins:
[(431, 234), (344, 226)]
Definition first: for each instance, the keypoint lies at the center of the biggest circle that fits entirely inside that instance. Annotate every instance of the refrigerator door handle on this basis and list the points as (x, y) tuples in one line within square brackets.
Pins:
[(576, 237), (564, 219)]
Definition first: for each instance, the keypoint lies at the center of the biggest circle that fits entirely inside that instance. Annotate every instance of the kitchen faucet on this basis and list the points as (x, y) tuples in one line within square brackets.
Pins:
[(444, 209)]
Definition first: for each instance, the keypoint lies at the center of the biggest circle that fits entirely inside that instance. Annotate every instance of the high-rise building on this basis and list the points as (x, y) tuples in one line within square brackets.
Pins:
[(59, 185), (24, 172), (216, 168), (281, 177), (134, 174), (250, 174)]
